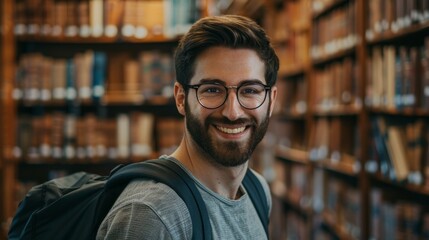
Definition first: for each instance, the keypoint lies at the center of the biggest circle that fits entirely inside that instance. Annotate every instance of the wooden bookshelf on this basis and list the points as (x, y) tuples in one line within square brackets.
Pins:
[(7, 116), (366, 27), (66, 129)]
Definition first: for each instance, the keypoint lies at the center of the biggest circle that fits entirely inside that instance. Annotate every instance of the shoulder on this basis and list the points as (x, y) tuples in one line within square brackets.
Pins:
[(153, 205)]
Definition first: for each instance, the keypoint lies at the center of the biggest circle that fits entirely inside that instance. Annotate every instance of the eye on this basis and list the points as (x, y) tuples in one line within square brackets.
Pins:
[(211, 89), (253, 89)]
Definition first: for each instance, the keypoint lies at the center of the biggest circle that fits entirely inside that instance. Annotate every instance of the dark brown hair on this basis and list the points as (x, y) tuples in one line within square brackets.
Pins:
[(228, 31)]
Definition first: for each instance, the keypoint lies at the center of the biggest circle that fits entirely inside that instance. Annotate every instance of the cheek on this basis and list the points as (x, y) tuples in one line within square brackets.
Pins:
[(192, 106), (262, 113)]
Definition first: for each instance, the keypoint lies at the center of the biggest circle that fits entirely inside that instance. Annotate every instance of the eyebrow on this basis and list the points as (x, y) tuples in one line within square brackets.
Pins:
[(218, 81)]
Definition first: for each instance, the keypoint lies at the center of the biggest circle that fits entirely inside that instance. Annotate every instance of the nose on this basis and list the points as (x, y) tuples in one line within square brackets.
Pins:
[(232, 108)]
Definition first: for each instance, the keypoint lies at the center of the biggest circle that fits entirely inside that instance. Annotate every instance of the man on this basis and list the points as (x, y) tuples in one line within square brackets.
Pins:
[(226, 70)]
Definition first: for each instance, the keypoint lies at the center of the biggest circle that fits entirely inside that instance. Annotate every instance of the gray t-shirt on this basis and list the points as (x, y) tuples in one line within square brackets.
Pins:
[(150, 210)]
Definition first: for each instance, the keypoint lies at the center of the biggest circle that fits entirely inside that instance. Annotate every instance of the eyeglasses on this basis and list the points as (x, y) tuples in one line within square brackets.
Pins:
[(250, 95)]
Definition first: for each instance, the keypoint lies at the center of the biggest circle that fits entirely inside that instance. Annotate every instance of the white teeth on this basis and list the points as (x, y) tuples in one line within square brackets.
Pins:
[(231, 130)]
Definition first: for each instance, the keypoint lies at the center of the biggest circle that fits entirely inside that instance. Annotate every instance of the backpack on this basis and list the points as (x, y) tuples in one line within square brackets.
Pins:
[(74, 206)]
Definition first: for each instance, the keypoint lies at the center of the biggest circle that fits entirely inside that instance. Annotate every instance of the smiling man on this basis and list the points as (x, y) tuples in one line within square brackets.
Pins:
[(226, 71)]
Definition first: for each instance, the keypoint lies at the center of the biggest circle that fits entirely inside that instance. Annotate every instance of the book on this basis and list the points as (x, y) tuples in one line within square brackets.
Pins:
[(57, 131), (389, 75), (378, 126), (71, 93), (113, 14), (71, 23), (70, 141), (123, 136), (60, 18), (414, 140), (83, 17), (83, 64), (98, 75), (46, 78), (129, 20), (59, 84), (20, 19), (150, 20), (142, 144), (397, 152), (48, 9), (424, 59), (96, 18)]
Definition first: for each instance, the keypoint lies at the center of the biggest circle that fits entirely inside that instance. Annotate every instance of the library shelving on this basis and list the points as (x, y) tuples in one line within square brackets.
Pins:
[(85, 85), (362, 141), (7, 55)]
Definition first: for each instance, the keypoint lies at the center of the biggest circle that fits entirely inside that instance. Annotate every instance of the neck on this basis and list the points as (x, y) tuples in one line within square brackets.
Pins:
[(223, 180)]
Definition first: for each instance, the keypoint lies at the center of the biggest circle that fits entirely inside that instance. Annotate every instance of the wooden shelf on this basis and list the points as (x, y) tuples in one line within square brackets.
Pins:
[(292, 72), (323, 60), (294, 205), (348, 170), (337, 229), (407, 190), (413, 112), (292, 155), (289, 116), (337, 112), (405, 33), (328, 8)]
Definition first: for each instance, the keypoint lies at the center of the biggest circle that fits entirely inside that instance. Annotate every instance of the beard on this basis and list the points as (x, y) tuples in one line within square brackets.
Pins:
[(225, 153)]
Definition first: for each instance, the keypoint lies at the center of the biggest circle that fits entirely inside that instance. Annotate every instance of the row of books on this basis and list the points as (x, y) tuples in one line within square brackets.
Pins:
[(293, 52), (292, 97), (334, 32), (289, 134), (58, 137), (290, 17), (397, 219), (399, 148), (335, 141), (342, 207), (391, 16), (146, 77), (398, 77), (41, 79), (289, 29), (109, 18), (336, 86), (338, 202), (94, 75)]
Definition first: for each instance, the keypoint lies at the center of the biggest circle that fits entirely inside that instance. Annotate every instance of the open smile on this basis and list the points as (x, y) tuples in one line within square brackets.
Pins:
[(227, 130)]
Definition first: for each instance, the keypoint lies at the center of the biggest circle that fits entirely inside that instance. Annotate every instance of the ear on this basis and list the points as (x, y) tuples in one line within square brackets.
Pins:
[(273, 96), (179, 97)]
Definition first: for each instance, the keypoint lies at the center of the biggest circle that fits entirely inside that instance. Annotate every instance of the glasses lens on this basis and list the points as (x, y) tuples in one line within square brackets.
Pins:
[(251, 95), (211, 95)]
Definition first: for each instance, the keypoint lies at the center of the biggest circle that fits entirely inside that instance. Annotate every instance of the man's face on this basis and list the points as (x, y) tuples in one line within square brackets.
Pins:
[(230, 133)]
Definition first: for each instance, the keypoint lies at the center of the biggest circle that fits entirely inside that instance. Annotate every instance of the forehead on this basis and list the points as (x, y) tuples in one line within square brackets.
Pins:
[(229, 65)]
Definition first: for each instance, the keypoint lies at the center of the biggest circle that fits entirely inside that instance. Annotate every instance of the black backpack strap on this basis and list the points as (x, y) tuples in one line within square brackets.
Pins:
[(257, 195), (169, 173)]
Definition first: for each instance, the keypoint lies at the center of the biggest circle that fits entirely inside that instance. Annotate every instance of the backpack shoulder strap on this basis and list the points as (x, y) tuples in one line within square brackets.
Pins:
[(172, 175), (257, 195)]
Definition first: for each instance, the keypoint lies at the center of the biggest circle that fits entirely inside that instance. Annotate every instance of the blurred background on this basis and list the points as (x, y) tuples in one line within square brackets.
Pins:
[(87, 84)]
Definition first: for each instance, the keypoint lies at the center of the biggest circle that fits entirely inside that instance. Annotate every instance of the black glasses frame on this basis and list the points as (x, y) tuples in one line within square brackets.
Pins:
[(196, 86)]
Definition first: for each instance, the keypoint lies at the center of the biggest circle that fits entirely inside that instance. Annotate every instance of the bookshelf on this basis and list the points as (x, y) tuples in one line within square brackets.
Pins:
[(362, 140), (85, 85), (7, 170)]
